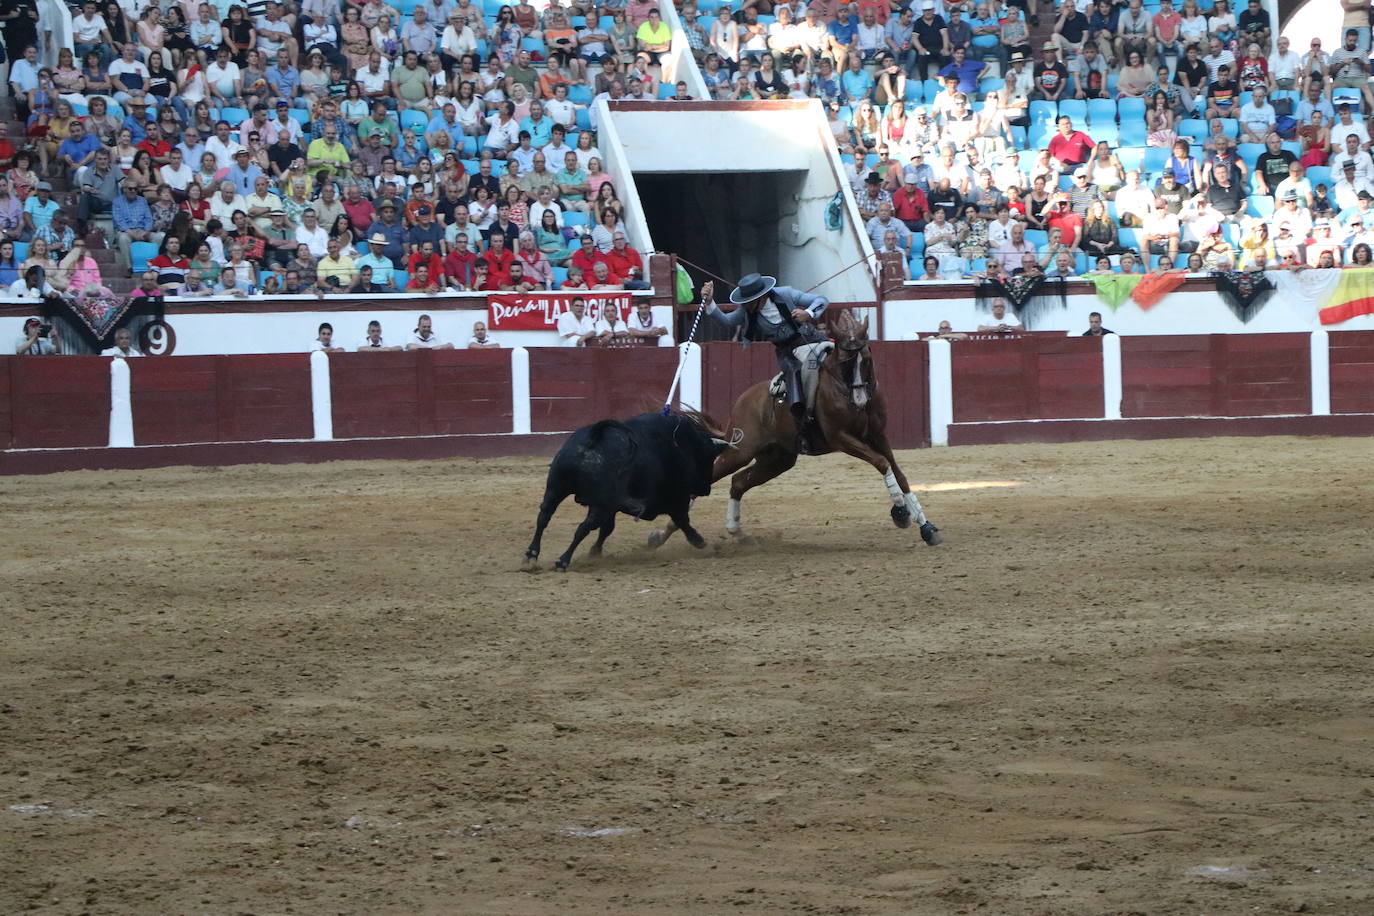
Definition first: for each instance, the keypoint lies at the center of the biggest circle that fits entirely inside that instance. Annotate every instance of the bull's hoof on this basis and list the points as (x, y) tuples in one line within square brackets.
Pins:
[(656, 539), (901, 516), (695, 539), (931, 535)]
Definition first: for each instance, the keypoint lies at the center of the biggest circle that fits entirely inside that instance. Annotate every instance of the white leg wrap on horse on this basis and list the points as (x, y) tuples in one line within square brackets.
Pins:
[(914, 506), (732, 516), (898, 497)]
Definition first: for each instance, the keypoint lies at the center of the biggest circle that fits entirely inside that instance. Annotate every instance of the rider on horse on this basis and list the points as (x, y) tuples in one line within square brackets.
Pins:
[(780, 315)]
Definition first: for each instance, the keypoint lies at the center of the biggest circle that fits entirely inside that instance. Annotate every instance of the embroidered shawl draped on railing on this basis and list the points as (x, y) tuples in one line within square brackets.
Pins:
[(1030, 296), (1243, 291)]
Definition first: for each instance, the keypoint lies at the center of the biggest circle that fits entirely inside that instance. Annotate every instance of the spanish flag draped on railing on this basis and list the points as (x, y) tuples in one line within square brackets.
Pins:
[(1353, 296)]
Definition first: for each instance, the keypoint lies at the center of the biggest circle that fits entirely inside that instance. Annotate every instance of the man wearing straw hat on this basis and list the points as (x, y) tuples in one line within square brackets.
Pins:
[(780, 315)]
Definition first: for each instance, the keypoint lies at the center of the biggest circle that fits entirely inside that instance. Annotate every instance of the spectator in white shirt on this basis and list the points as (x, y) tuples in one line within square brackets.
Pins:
[(424, 338), (324, 340), (1256, 117), (311, 234), (575, 327)]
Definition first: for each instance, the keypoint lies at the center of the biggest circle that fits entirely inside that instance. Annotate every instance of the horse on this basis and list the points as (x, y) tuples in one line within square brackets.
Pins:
[(850, 417)]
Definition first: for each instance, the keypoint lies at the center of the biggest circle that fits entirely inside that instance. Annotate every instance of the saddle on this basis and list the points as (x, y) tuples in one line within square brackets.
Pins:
[(810, 356)]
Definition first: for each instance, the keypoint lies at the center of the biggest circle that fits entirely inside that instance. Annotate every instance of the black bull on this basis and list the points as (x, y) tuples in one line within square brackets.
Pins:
[(647, 466)]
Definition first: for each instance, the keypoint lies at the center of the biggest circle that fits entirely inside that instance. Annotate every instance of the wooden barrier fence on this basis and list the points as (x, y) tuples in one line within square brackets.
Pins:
[(66, 402)]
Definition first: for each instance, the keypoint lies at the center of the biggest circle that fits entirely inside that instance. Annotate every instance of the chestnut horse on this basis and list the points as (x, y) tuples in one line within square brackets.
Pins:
[(850, 417)]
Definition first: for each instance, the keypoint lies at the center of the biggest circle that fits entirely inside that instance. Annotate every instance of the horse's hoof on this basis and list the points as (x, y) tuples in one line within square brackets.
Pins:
[(931, 535), (560, 565), (531, 563), (901, 517), (656, 539)]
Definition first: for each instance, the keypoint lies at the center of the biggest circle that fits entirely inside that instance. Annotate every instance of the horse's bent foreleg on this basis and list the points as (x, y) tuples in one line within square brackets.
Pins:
[(905, 505), (769, 464)]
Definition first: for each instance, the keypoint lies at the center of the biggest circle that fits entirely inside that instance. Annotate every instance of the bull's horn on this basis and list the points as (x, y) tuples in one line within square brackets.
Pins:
[(720, 442)]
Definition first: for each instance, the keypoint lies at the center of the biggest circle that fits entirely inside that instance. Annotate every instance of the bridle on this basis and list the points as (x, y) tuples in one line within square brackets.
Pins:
[(853, 351)]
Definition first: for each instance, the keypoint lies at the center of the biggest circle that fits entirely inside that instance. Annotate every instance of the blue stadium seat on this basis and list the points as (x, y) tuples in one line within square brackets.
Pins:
[(580, 95), (1294, 147), (912, 95), (470, 148), (1130, 108), (235, 116), (534, 45), (1231, 127), (1106, 132), (299, 115), (978, 265), (559, 275), (1039, 135), (1249, 152), (1132, 131), (1155, 157), (1130, 156), (1043, 112), (574, 218), (1195, 129), (1076, 109), (1319, 174), (401, 277), (1082, 263), (666, 90), (918, 245), (139, 255), (1018, 136), (1111, 84), (21, 251), (584, 119), (580, 22), (1261, 205), (990, 84), (1101, 112), (931, 88), (1025, 158), (1038, 237), (413, 120), (1065, 182), (1129, 238)]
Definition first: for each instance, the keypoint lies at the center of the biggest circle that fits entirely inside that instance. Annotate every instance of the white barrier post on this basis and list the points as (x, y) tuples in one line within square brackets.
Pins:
[(321, 395), (689, 388), (520, 391), (121, 405), (1321, 374), (1111, 377), (941, 391)]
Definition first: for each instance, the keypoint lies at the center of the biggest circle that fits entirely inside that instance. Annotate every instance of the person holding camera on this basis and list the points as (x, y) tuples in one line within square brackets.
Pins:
[(38, 339)]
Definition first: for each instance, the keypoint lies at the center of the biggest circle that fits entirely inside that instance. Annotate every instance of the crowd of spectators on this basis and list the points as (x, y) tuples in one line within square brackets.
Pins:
[(1136, 137), (303, 148)]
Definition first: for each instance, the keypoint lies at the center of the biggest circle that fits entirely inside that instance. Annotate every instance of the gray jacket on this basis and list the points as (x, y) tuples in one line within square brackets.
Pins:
[(775, 330)]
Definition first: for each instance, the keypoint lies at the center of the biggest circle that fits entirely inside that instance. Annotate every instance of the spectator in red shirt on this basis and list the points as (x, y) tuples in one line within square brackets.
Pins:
[(359, 209), (1062, 217), (460, 263), (421, 281), (1070, 148), (498, 259), (171, 267), (909, 204), (482, 278), (157, 147), (625, 263), (426, 256), (586, 257)]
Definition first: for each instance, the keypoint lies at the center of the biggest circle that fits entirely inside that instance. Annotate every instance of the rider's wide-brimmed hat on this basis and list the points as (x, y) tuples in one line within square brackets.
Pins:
[(751, 286)]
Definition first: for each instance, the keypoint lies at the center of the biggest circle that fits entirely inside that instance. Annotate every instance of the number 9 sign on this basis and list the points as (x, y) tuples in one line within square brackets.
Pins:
[(157, 338)]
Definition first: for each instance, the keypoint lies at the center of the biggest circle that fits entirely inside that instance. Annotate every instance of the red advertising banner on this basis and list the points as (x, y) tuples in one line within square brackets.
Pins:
[(540, 311)]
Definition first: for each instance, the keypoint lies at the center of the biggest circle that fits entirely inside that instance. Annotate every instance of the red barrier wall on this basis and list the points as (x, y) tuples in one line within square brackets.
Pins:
[(902, 369), (240, 398), (727, 371), (420, 393), (1027, 378), (571, 387), (1352, 371), (1216, 375), (57, 402)]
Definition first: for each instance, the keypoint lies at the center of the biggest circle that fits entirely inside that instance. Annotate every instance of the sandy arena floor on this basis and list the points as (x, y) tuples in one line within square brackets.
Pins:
[(1138, 681)]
